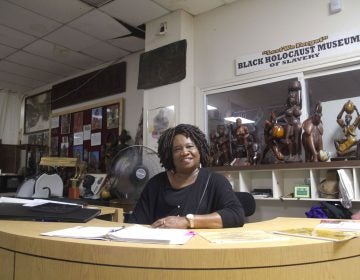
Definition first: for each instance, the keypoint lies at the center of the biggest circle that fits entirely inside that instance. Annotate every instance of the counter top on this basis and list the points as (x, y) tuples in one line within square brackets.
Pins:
[(196, 255)]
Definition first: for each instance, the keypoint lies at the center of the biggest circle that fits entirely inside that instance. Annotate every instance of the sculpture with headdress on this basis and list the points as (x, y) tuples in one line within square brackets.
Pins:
[(346, 145)]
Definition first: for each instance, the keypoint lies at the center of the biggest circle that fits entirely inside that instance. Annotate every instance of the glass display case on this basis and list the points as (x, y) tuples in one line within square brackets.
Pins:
[(263, 109), (325, 107)]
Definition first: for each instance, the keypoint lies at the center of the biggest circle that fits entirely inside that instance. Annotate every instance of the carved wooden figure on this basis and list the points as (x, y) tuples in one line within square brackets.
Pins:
[(347, 144), (312, 136)]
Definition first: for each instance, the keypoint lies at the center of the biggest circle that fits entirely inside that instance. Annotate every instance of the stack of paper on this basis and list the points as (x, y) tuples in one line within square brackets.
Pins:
[(324, 231), (135, 233), (83, 232), (241, 236)]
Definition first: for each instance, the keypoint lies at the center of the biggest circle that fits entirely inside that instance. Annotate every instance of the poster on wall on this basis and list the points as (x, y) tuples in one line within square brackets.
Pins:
[(96, 118), (87, 131), (55, 122), (78, 122), (94, 161), (37, 112), (112, 117), (54, 146), (78, 152), (159, 119), (78, 138), (64, 146), (65, 124), (96, 139), (81, 132)]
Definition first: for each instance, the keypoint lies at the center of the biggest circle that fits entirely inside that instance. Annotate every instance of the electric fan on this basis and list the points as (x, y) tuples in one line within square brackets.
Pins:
[(130, 170)]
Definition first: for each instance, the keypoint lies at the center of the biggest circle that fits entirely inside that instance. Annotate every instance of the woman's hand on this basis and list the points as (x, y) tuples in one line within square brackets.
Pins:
[(356, 216), (171, 222)]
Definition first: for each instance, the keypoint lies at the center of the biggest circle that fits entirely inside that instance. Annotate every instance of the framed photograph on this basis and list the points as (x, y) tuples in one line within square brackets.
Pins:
[(64, 146), (78, 122), (93, 161), (96, 118), (55, 122), (54, 146), (158, 120), (112, 116), (65, 124), (37, 112), (78, 138), (78, 152)]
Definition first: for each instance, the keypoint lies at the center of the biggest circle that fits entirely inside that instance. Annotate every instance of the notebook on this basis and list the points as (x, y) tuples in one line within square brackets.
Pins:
[(48, 212)]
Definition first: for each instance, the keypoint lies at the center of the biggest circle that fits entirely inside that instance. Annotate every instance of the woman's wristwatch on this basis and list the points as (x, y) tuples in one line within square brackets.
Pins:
[(191, 219)]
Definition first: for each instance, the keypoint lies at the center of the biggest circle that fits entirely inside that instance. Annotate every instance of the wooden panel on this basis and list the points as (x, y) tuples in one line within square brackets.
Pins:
[(10, 158), (6, 265), (40, 257), (34, 268), (94, 85)]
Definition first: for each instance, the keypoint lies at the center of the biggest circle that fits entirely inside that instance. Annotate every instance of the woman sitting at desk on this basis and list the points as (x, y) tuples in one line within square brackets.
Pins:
[(186, 195)]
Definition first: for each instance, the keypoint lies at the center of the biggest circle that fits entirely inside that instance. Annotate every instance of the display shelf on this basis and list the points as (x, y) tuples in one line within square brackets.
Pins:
[(282, 178)]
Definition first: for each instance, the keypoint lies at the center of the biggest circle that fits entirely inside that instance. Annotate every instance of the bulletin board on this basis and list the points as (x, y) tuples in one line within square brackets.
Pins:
[(87, 132)]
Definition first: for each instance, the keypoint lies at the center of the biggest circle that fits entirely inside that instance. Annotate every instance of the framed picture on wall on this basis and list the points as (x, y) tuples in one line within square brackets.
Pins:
[(86, 126), (37, 112), (112, 116), (158, 120), (78, 122), (65, 123), (96, 118)]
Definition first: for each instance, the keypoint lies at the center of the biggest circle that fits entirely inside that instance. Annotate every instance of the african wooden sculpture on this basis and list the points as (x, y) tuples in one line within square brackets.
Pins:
[(346, 145), (282, 133), (312, 136)]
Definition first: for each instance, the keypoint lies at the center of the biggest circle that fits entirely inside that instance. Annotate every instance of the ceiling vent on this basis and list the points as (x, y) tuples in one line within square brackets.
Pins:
[(96, 3)]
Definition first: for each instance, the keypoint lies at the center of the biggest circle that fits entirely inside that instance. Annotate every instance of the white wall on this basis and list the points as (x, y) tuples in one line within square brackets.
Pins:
[(180, 94), (9, 118), (251, 26)]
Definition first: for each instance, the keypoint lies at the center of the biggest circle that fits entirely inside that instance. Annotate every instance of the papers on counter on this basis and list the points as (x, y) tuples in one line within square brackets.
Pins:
[(83, 232), (333, 230), (339, 225), (228, 237), (323, 234), (135, 233)]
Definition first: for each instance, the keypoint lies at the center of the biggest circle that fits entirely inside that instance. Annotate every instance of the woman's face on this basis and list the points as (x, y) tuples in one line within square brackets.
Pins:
[(186, 155)]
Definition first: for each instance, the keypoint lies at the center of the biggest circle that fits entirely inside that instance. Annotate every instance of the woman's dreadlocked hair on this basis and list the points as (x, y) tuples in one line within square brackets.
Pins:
[(166, 139)]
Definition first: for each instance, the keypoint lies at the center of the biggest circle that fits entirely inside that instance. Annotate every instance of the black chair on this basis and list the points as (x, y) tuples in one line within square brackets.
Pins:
[(248, 202)]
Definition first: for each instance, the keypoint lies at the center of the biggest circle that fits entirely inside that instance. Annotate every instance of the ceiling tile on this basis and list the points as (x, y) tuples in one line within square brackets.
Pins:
[(37, 62), (71, 38), (105, 51), (60, 10), (13, 38), (61, 54), (134, 12), (193, 7), (12, 87), (30, 22), (99, 25), (131, 44), (14, 68), (12, 78), (5, 51)]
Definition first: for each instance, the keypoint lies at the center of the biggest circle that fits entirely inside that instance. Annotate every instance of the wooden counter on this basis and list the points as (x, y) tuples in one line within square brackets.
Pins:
[(26, 255)]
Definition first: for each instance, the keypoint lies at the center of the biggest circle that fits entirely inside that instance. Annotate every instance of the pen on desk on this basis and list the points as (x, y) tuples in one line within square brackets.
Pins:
[(116, 229)]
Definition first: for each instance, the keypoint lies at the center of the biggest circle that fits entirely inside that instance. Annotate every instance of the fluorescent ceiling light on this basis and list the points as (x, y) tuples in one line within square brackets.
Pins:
[(243, 120), (210, 108)]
